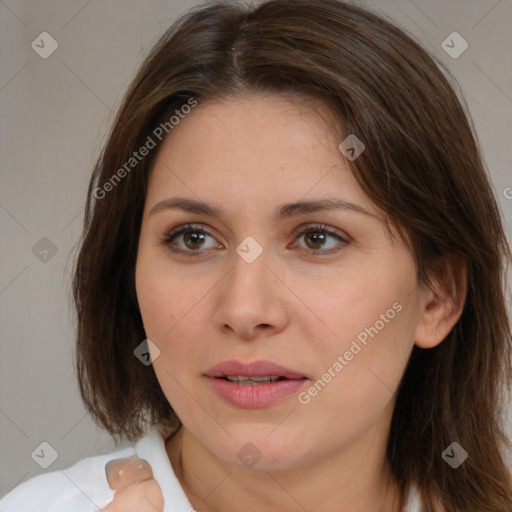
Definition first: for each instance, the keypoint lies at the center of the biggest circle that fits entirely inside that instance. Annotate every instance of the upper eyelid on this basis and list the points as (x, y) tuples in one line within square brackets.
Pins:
[(319, 226), (299, 231)]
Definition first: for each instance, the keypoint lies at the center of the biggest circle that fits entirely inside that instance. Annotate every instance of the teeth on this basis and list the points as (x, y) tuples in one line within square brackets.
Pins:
[(252, 381)]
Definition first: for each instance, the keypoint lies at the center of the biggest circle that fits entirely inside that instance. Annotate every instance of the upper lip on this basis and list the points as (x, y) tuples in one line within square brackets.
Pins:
[(254, 369)]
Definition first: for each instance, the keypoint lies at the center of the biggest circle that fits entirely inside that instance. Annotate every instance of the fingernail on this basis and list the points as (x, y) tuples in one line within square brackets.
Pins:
[(133, 457)]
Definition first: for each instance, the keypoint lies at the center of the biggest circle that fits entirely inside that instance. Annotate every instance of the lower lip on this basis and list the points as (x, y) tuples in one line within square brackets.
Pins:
[(255, 397)]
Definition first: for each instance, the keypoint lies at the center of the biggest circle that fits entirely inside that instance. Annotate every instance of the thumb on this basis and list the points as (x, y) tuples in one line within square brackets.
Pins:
[(124, 472)]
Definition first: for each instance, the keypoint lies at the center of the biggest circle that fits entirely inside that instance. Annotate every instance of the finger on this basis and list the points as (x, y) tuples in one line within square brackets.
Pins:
[(123, 472), (144, 496)]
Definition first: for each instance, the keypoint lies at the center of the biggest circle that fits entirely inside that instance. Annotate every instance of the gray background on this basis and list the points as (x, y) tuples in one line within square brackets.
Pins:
[(54, 114)]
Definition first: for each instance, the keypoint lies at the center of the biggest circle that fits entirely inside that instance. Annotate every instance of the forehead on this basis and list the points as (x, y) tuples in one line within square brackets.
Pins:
[(255, 151)]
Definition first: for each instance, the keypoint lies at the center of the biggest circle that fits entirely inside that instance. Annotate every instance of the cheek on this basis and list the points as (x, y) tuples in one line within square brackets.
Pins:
[(165, 297), (350, 302), (174, 312), (372, 319), (168, 318), (154, 298)]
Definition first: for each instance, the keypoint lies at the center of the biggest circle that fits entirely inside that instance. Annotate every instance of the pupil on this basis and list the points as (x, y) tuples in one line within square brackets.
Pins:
[(319, 239), (194, 238)]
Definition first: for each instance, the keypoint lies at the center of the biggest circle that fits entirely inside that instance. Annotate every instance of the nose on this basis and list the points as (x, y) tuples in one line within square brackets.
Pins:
[(251, 301)]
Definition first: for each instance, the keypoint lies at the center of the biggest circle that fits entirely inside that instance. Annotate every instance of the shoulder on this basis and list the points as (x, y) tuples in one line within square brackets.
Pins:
[(82, 487)]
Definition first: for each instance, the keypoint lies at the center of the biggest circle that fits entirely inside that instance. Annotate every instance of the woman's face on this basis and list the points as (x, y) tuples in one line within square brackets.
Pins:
[(321, 292)]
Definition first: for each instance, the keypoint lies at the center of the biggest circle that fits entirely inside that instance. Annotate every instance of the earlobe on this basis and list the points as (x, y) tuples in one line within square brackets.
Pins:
[(442, 304)]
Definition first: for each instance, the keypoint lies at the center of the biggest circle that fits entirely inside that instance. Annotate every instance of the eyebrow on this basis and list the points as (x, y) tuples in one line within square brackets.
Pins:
[(282, 212)]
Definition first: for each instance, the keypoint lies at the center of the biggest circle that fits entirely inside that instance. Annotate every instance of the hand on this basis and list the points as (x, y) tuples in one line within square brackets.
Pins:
[(136, 489)]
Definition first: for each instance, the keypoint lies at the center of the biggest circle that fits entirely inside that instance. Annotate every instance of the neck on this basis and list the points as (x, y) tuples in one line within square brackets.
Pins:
[(353, 479)]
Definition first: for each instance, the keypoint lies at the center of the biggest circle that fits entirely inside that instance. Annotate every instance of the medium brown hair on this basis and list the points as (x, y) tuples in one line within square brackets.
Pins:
[(422, 167)]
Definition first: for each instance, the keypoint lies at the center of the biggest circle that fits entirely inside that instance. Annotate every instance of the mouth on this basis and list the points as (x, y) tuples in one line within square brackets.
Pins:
[(254, 373), (255, 385), (242, 380)]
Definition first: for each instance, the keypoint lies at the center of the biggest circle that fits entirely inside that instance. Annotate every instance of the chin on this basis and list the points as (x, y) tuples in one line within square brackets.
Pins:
[(260, 453)]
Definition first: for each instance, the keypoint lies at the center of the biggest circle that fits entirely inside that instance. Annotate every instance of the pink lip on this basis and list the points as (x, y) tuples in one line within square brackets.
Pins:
[(254, 369), (254, 397)]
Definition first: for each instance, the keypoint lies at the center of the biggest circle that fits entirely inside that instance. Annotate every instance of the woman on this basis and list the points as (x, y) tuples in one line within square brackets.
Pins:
[(290, 287)]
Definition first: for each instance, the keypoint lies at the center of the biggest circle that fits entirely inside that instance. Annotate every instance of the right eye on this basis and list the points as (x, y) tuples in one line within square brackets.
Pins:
[(189, 239)]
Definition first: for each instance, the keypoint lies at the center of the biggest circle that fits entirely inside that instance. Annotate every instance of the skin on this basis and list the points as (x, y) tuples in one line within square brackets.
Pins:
[(248, 156), (136, 489)]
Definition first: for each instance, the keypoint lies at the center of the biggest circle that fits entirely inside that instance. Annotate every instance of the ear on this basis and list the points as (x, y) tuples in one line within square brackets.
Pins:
[(441, 306)]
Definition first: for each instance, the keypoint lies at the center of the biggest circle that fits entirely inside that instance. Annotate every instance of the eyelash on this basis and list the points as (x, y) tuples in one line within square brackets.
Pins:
[(167, 239)]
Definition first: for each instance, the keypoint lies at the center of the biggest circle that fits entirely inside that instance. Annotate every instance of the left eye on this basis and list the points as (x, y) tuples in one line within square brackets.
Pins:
[(316, 238), (191, 238)]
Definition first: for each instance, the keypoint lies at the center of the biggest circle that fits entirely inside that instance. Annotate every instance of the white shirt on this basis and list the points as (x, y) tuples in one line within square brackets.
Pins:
[(84, 487)]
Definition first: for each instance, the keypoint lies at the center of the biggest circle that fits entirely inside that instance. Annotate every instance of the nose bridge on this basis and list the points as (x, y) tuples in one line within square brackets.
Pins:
[(247, 299), (249, 271)]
